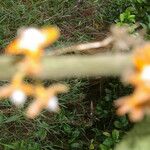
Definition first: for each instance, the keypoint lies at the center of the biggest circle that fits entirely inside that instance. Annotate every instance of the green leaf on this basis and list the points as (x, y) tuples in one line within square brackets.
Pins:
[(122, 17), (67, 128), (115, 134), (140, 1), (106, 134), (108, 142), (91, 146), (42, 133), (132, 18), (1, 118), (103, 147), (12, 119), (75, 145)]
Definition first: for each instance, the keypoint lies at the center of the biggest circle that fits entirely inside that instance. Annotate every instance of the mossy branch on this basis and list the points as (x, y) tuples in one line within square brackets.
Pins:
[(60, 67)]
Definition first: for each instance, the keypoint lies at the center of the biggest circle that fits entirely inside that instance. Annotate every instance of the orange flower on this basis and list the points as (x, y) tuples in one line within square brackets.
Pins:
[(31, 41), (17, 91), (141, 57), (45, 99), (138, 103)]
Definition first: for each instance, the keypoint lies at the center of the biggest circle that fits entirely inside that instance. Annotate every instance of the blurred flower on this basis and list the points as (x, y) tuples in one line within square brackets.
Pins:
[(18, 97), (53, 104), (30, 43), (17, 91), (45, 98), (138, 103)]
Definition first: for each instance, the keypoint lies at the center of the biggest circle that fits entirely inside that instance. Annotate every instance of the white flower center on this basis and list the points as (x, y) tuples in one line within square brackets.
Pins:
[(31, 39), (145, 75), (53, 104), (18, 97)]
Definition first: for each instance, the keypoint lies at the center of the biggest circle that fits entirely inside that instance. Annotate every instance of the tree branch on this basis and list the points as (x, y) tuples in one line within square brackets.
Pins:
[(60, 67)]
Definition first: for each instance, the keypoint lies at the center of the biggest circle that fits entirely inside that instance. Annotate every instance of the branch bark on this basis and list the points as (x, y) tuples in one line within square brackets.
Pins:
[(70, 66)]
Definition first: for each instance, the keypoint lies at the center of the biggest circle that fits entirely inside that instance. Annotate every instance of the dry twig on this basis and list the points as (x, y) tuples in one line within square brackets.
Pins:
[(81, 47)]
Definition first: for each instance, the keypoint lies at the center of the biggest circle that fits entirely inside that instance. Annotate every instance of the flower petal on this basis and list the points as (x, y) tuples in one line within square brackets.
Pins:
[(35, 108), (51, 34), (53, 104), (5, 91), (18, 97)]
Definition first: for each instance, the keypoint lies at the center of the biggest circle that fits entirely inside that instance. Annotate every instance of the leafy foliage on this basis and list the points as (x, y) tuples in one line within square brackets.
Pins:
[(137, 11), (137, 138)]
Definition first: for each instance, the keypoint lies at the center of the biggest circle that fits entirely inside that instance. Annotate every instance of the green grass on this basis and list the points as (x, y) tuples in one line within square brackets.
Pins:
[(74, 127), (78, 22)]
